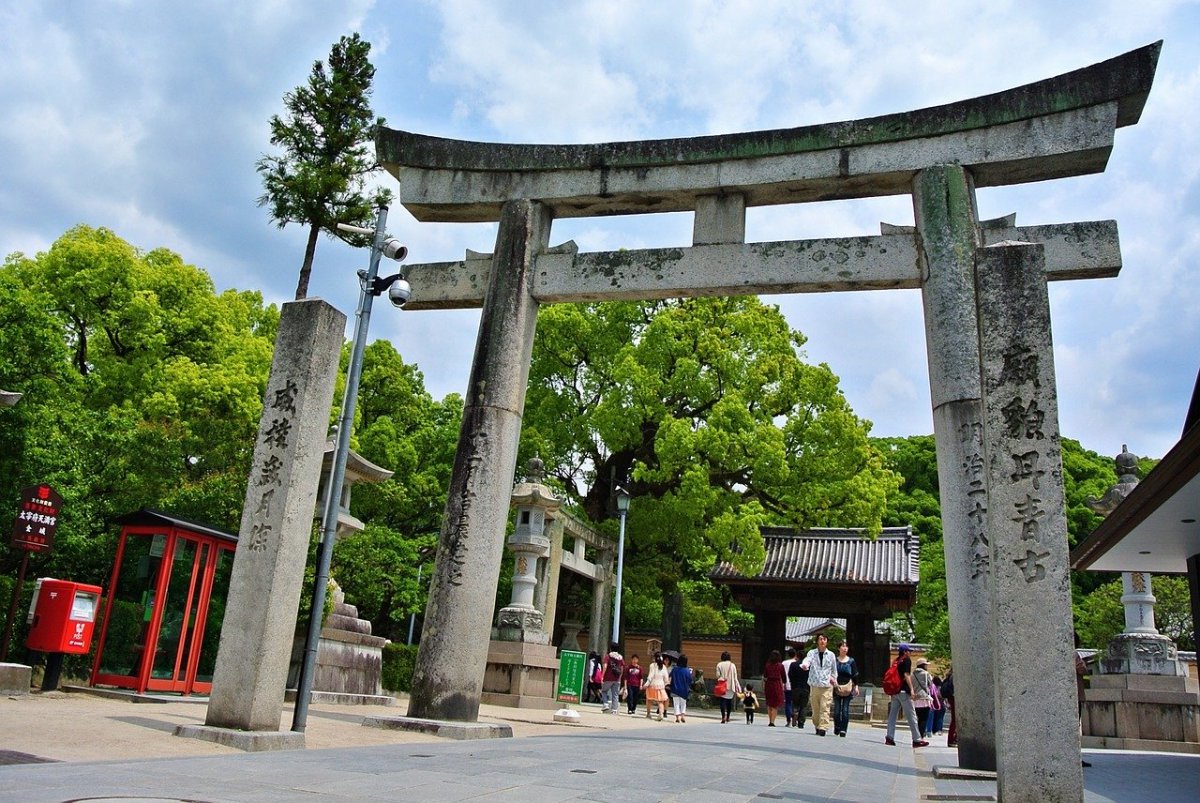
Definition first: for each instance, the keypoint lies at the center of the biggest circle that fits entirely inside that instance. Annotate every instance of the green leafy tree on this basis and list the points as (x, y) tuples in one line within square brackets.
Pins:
[(401, 428), (379, 569), (326, 134), (143, 388), (704, 410)]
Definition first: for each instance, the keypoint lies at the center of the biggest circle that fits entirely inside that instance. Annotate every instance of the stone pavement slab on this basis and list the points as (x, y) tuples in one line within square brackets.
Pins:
[(605, 758)]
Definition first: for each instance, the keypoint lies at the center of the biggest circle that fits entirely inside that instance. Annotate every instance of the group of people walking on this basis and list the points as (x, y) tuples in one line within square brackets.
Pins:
[(821, 684), (666, 681), (821, 681)]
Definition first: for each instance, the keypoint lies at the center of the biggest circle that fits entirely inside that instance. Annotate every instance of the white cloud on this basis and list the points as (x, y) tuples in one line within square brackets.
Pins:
[(148, 118)]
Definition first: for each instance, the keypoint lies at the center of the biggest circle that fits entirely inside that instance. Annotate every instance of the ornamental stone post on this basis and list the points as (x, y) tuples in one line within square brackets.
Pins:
[(1027, 526), (520, 620), (1141, 649)]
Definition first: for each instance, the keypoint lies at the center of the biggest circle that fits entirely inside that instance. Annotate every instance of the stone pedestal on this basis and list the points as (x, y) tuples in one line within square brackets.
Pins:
[(1141, 654), (520, 624), (521, 675), (349, 666), (1142, 712)]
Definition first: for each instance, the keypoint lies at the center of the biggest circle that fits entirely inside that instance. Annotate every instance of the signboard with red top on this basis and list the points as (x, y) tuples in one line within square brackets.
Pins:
[(37, 519)]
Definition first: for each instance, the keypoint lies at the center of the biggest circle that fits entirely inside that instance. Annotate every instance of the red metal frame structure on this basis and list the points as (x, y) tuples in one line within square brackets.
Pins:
[(163, 612)]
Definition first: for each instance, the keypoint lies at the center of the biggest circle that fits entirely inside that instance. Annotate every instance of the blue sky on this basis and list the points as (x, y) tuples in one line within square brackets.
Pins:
[(147, 118)]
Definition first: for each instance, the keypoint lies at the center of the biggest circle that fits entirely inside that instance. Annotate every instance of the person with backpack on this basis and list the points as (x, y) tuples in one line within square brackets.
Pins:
[(610, 688), (898, 683), (750, 703)]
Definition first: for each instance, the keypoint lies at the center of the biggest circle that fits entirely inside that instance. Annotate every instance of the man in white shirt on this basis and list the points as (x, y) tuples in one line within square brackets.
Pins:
[(790, 652), (822, 676)]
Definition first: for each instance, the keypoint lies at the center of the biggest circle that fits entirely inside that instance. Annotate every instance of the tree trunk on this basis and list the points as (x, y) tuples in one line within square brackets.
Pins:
[(306, 268), (672, 620)]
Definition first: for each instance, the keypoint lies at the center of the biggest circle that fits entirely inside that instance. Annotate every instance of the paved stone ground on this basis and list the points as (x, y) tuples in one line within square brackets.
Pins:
[(117, 750)]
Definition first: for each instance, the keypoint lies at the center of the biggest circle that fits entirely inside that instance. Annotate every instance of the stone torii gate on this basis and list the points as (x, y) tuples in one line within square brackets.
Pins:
[(987, 328)]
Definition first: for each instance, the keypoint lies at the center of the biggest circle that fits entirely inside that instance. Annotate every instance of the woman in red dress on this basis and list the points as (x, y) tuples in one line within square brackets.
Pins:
[(773, 680)]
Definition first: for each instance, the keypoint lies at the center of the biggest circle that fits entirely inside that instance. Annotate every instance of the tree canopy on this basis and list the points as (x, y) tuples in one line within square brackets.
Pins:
[(143, 387), (326, 133), (704, 410)]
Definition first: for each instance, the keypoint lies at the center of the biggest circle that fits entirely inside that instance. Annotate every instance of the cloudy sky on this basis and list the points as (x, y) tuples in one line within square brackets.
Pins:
[(147, 118)]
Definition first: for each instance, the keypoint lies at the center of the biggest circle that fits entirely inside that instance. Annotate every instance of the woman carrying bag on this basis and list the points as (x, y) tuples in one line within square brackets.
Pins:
[(727, 686), (845, 690), (922, 693)]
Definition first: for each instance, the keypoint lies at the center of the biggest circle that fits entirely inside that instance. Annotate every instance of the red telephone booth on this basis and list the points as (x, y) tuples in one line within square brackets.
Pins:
[(163, 614)]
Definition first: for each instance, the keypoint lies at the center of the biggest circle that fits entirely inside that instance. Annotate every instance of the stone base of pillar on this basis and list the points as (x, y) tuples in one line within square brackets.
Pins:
[(1141, 654), (521, 675), (520, 624), (1142, 712)]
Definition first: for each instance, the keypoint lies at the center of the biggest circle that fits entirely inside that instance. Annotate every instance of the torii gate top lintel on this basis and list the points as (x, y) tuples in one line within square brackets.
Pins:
[(1057, 127)]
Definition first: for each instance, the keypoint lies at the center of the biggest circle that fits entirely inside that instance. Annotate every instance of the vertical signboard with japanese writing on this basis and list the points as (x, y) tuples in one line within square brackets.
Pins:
[(1027, 529), (37, 519), (570, 676)]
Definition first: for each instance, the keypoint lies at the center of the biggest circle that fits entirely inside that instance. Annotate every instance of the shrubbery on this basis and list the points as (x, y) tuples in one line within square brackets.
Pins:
[(398, 663)]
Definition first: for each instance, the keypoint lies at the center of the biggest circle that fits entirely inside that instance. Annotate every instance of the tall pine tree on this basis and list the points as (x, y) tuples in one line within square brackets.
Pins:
[(326, 136)]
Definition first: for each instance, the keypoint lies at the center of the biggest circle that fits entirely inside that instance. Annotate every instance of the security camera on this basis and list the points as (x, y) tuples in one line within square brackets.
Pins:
[(392, 249), (400, 292)]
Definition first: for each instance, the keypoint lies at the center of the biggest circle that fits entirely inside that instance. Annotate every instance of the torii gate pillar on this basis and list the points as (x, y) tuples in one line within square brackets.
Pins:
[(947, 236), (448, 677)]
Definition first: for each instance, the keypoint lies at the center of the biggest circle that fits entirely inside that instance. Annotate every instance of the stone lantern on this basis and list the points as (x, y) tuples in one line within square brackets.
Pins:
[(534, 502), (1141, 649)]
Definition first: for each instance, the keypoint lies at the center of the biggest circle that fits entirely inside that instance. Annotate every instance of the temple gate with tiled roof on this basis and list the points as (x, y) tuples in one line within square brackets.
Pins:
[(826, 572)]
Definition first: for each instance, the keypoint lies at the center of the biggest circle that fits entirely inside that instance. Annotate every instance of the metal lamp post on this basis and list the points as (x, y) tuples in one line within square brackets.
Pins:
[(371, 286), (622, 511)]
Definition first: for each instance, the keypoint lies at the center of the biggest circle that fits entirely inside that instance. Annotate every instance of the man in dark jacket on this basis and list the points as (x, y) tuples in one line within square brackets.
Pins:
[(798, 696)]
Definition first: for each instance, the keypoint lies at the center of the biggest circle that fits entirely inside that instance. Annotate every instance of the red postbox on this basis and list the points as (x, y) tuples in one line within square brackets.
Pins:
[(62, 616)]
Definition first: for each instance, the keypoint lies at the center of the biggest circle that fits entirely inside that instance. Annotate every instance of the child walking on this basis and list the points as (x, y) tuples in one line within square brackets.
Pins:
[(749, 702)]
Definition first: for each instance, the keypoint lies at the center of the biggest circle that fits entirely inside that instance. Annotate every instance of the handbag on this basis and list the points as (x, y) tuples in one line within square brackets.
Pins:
[(720, 688), (844, 689)]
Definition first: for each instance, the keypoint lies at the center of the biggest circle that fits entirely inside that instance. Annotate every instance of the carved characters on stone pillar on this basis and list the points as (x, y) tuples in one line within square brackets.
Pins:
[(971, 436), (456, 554), (1023, 423), (276, 438)]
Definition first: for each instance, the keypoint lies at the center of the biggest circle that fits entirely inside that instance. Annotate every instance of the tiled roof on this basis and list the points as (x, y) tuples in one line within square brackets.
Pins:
[(801, 627), (835, 556)]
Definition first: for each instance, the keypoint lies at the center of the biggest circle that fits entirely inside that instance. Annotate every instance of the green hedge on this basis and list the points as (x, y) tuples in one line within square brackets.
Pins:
[(398, 663)]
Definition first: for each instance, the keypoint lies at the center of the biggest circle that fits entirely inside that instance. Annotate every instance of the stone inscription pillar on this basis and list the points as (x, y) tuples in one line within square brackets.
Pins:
[(448, 677), (1027, 525), (268, 565), (947, 236)]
